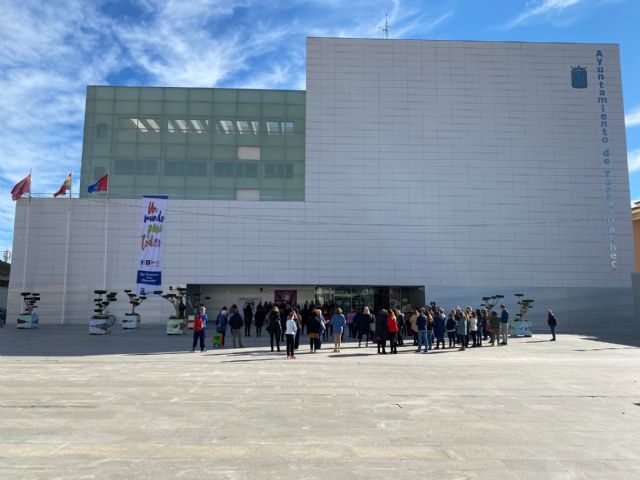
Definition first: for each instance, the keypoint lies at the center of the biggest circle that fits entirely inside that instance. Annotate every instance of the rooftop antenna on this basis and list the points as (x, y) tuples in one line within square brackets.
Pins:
[(385, 27)]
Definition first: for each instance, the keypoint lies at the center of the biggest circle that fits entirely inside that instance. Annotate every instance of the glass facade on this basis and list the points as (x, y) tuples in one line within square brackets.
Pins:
[(195, 142), (357, 297)]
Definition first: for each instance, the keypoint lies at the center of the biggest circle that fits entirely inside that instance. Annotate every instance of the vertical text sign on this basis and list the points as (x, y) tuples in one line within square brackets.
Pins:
[(150, 243)]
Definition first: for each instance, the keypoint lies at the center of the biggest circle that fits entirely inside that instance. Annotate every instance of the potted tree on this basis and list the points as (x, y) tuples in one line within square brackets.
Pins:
[(132, 320), (28, 319), (194, 300), (176, 296), (491, 302), (100, 322), (520, 326)]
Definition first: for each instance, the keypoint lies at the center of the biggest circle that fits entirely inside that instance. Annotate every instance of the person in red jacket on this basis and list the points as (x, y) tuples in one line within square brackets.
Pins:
[(392, 331), (199, 329)]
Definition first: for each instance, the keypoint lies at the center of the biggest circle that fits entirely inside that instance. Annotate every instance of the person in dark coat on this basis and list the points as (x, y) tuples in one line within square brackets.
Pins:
[(362, 321), (381, 331), (553, 323), (274, 327), (235, 322), (451, 329), (248, 318), (259, 319), (439, 328), (314, 329)]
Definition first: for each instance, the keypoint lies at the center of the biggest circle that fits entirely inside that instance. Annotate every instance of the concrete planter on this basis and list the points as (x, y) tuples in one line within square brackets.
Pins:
[(99, 326), (175, 326), (27, 320), (130, 321), (520, 329)]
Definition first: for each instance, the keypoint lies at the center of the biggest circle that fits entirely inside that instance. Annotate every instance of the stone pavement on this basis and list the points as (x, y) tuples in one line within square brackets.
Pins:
[(137, 404)]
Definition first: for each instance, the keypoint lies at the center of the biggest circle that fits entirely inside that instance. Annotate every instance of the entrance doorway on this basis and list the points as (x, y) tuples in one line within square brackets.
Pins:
[(347, 297)]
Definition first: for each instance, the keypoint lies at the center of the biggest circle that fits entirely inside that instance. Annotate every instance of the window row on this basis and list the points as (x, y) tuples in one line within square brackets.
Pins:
[(199, 168), (200, 126)]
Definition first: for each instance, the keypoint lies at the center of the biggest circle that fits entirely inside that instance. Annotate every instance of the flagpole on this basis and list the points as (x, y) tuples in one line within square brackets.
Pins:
[(106, 226), (66, 259), (26, 243)]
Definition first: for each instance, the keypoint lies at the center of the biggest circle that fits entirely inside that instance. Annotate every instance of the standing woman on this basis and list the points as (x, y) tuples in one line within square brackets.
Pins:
[(221, 324), (248, 318), (363, 326), (451, 329), (274, 327), (485, 323), (553, 323), (430, 324), (473, 328), (291, 329), (401, 320), (462, 325), (381, 331), (439, 328), (392, 329), (480, 327), (494, 322), (337, 325), (314, 328), (298, 320), (350, 322), (259, 318)]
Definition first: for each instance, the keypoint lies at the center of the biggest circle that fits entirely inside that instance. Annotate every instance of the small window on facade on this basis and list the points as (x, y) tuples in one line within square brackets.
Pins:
[(225, 126), (177, 125), (196, 168), (221, 169), (287, 128), (124, 167), (273, 128), (248, 153), (146, 167), (247, 194), (269, 170), (174, 167), (279, 170), (246, 170)]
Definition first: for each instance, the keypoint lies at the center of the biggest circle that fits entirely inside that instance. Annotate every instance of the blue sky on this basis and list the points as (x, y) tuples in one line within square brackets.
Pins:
[(50, 51)]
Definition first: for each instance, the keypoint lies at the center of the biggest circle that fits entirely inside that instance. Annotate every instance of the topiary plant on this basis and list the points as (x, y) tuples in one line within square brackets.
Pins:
[(525, 306), (491, 302), (101, 303), (134, 300), (176, 296)]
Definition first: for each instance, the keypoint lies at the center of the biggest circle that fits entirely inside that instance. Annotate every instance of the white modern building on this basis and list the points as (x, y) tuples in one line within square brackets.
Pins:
[(410, 171)]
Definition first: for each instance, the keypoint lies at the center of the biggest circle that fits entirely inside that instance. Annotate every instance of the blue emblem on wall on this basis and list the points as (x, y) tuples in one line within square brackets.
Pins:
[(579, 77)]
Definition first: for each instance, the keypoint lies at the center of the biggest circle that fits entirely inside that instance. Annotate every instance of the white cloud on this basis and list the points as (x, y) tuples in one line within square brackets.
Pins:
[(633, 160), (632, 118), (52, 50), (540, 8)]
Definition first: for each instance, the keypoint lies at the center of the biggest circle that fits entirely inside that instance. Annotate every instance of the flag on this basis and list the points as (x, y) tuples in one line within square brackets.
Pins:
[(101, 185), (64, 187), (22, 187)]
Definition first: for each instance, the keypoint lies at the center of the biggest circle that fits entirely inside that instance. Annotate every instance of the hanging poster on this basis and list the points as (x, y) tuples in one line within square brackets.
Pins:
[(286, 297), (149, 276)]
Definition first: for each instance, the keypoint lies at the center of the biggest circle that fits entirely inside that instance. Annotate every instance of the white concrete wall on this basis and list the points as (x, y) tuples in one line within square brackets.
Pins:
[(454, 165)]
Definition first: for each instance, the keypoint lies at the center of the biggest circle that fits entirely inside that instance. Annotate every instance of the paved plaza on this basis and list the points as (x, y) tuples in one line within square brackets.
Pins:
[(138, 404)]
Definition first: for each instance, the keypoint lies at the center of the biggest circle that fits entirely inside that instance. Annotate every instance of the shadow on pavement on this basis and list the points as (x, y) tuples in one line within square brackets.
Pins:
[(74, 340)]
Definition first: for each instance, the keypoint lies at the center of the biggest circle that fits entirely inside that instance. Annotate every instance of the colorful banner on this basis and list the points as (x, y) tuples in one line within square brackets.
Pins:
[(286, 297), (149, 276)]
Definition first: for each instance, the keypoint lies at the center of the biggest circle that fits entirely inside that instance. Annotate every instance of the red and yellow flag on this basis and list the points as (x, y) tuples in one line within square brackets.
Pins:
[(64, 187)]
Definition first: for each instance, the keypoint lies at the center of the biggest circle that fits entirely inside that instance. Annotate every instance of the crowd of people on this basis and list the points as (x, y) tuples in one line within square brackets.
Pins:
[(429, 328)]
